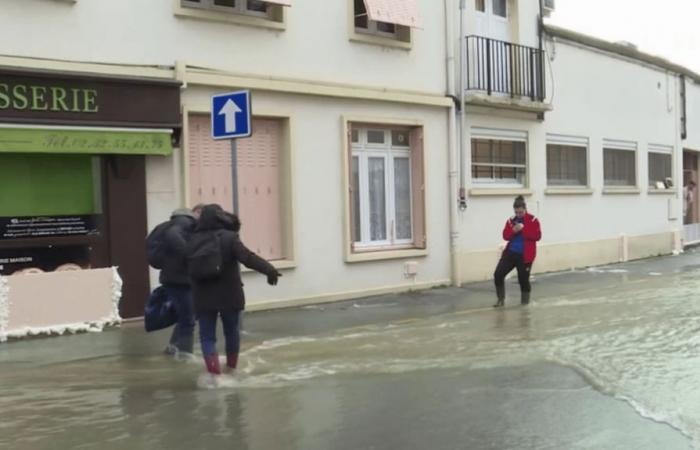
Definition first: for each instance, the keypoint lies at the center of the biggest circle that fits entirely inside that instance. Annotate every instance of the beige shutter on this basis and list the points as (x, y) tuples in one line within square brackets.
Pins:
[(399, 12), (259, 196), (210, 165)]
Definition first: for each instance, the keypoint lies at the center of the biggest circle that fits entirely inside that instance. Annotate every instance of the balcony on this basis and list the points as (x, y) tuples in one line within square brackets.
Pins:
[(510, 75)]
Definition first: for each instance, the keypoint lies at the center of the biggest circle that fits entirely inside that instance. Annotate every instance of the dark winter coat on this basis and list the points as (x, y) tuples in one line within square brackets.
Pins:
[(174, 269), (226, 292)]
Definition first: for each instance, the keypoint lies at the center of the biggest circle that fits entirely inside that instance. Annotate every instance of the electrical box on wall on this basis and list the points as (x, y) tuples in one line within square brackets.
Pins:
[(410, 269)]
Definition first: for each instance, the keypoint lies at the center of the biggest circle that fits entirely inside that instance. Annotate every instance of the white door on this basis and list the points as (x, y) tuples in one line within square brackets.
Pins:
[(492, 19)]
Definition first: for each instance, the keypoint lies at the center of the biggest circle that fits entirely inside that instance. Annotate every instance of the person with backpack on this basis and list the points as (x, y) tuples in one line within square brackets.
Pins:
[(166, 246), (214, 255), (522, 231)]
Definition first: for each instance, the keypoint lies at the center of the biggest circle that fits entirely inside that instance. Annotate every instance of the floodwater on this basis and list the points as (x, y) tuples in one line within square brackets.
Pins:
[(604, 359)]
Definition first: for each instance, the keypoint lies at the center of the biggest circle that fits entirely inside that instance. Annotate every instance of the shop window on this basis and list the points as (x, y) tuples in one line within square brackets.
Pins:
[(53, 205), (619, 167), (499, 162), (255, 187), (49, 185), (386, 187)]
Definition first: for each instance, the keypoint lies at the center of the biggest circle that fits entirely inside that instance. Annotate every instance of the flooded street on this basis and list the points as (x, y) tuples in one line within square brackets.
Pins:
[(605, 358)]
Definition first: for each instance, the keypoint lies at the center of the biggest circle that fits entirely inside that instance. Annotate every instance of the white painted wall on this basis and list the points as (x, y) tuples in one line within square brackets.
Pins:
[(318, 194), (597, 96), (314, 46)]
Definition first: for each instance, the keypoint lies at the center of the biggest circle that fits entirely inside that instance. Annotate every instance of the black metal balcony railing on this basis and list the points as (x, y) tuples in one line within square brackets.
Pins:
[(502, 67)]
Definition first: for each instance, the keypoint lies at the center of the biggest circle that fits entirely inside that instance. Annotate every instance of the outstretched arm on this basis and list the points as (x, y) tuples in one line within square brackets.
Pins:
[(253, 261)]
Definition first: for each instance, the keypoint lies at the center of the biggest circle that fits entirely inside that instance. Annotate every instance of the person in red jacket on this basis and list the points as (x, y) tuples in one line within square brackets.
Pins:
[(522, 232)]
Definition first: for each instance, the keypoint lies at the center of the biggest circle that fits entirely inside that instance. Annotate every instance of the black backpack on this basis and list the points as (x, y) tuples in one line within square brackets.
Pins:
[(156, 248), (204, 257)]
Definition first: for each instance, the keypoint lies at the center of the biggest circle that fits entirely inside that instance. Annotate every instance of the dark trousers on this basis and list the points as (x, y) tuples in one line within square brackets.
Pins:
[(508, 262), (207, 331), (183, 333)]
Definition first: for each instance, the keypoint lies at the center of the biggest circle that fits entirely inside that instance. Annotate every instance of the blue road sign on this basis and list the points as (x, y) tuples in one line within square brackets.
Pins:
[(231, 115)]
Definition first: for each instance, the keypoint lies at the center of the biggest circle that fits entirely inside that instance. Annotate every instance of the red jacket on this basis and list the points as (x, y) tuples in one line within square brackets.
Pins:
[(531, 234)]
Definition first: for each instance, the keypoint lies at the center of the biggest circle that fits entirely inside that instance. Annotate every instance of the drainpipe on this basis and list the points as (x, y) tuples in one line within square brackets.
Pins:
[(452, 133), (541, 44), (460, 110)]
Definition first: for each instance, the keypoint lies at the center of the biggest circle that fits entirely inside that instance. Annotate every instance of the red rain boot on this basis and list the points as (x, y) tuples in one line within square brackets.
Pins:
[(212, 363)]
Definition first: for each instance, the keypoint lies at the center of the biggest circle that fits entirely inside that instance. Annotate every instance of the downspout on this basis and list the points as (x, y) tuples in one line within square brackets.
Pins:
[(452, 144), (541, 46), (460, 110)]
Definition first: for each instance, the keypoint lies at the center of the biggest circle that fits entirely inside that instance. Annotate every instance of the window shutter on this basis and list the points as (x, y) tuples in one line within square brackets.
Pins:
[(259, 189), (398, 12), (418, 188), (210, 165)]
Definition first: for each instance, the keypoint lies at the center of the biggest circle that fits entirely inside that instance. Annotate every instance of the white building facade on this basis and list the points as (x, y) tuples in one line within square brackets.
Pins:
[(389, 137)]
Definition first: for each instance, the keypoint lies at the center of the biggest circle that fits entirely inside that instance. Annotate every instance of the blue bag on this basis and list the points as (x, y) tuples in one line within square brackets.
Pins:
[(160, 311)]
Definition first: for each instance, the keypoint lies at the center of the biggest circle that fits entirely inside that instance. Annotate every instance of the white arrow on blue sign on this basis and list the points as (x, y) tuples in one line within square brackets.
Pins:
[(231, 115)]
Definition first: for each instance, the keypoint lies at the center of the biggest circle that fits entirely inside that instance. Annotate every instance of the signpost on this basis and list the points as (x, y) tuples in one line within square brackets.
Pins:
[(231, 119)]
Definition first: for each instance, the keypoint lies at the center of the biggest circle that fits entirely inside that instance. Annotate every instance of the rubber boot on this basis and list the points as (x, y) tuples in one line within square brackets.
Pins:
[(186, 344), (171, 349), (501, 295), (232, 361), (524, 298), (212, 363)]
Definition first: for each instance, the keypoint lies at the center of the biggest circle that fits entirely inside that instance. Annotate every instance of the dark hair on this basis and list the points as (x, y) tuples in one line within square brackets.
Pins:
[(519, 202), (212, 218), (233, 222)]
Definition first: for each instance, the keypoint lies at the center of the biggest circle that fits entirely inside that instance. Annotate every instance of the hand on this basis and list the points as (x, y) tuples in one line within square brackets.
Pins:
[(517, 228), (272, 278)]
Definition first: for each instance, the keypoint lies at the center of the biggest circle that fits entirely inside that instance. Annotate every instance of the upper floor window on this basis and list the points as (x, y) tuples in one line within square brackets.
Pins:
[(499, 158), (386, 22), (496, 7), (364, 24), (270, 10)]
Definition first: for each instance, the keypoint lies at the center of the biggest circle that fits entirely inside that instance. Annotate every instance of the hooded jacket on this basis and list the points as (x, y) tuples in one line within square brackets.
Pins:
[(225, 293), (174, 269)]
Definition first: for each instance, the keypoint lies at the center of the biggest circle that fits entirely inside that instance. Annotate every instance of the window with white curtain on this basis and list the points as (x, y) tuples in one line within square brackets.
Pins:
[(381, 183)]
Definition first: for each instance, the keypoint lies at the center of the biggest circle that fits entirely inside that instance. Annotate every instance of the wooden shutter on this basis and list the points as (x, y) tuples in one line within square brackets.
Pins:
[(259, 196)]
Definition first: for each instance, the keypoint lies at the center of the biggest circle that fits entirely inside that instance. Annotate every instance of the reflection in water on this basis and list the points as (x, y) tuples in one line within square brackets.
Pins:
[(637, 341)]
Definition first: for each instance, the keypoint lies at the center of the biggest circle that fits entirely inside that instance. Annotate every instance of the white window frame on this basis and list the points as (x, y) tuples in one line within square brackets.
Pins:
[(500, 135), (618, 145), (364, 150), (660, 150), (569, 141), (241, 8)]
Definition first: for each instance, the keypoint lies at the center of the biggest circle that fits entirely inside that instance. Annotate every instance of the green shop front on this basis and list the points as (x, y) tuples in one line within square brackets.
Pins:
[(73, 151)]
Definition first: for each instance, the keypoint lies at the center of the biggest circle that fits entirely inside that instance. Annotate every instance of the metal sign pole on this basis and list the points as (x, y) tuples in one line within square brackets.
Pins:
[(234, 175)]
